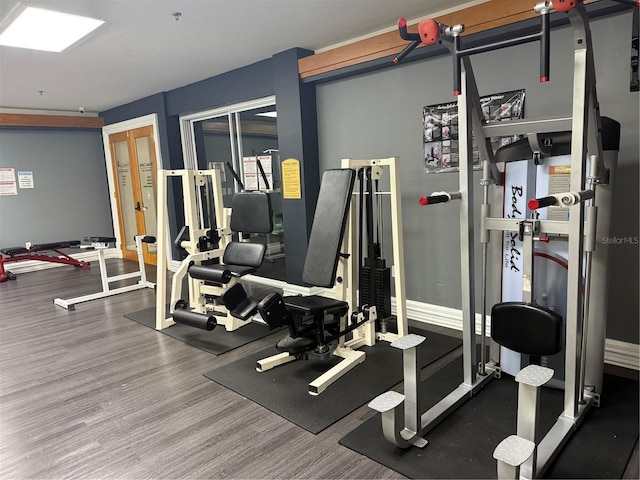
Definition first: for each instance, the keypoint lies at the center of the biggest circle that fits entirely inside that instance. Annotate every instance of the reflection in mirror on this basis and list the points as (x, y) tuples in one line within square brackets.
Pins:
[(258, 132), (214, 145), (246, 143)]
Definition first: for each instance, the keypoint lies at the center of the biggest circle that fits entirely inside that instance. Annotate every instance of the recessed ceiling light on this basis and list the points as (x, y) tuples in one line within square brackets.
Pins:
[(40, 29)]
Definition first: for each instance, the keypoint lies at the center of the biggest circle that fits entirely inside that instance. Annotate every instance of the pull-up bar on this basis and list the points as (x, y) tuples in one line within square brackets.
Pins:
[(430, 32)]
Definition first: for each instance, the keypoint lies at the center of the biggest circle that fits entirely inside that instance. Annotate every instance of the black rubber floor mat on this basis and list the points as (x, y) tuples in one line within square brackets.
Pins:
[(217, 341), (284, 389), (462, 445)]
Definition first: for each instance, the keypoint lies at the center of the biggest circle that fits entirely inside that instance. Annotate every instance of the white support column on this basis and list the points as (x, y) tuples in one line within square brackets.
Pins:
[(162, 257), (576, 222), (467, 261)]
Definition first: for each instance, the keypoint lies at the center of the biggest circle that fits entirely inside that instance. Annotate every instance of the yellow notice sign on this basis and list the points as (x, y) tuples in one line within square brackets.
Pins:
[(291, 188)]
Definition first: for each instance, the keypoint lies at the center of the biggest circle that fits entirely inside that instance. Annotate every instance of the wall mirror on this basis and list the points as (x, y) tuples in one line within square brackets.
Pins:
[(242, 142)]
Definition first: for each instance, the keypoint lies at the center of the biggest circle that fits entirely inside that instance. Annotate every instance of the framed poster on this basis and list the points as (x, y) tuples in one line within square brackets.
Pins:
[(253, 179), (440, 128)]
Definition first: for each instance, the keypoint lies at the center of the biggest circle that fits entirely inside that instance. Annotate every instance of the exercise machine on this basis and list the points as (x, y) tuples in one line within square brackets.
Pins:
[(525, 326), (213, 260), (38, 252), (100, 244), (318, 325)]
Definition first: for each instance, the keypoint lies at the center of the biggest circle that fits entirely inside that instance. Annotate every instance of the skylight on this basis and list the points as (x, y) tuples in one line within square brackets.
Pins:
[(40, 29)]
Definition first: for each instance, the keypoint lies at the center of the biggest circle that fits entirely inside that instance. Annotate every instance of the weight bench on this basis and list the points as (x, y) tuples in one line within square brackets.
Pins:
[(36, 252), (317, 325), (101, 244)]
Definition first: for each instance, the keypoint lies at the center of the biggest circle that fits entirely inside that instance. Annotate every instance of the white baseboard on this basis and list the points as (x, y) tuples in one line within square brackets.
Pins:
[(618, 353), (622, 354), (34, 265)]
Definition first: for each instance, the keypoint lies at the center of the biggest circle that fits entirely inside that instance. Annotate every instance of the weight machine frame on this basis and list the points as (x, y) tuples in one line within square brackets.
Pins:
[(346, 287), (192, 180), (584, 357)]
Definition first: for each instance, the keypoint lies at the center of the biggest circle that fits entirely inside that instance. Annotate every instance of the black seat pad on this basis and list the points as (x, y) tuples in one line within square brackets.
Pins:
[(313, 304), (243, 253), (53, 245), (99, 239), (11, 251)]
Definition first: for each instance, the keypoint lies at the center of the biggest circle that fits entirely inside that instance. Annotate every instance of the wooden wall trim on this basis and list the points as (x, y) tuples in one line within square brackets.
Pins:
[(55, 121), (478, 18)]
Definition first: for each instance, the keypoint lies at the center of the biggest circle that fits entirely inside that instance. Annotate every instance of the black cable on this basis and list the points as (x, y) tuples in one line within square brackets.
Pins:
[(235, 175)]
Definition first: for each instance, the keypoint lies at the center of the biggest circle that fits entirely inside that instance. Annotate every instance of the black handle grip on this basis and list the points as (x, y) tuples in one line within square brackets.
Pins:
[(457, 74), (433, 199), (545, 45), (542, 202), (404, 33)]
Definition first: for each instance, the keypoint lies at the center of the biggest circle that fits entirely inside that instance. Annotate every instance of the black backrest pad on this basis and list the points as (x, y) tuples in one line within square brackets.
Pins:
[(244, 253), (526, 328), (328, 227), (560, 143), (251, 213)]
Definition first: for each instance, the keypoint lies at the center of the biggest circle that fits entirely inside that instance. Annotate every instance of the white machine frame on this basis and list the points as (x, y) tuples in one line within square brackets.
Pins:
[(346, 290), (107, 291), (584, 353), (193, 208)]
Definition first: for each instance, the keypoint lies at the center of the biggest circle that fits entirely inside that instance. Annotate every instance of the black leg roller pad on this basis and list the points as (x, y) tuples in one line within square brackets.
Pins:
[(194, 319), (210, 274)]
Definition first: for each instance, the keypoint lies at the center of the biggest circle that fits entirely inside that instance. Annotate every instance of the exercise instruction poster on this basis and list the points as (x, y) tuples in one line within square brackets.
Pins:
[(8, 181), (440, 122), (253, 179)]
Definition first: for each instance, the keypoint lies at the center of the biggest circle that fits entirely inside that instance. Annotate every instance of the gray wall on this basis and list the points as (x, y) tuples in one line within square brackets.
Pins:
[(379, 114), (70, 199)]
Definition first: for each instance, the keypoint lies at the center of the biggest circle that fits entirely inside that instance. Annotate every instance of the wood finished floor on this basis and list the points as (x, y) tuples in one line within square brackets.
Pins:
[(91, 394)]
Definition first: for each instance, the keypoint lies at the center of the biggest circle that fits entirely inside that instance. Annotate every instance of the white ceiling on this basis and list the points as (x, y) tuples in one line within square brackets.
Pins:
[(142, 49)]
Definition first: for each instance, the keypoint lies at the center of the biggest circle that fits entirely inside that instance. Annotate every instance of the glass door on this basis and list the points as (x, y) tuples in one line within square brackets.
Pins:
[(134, 162)]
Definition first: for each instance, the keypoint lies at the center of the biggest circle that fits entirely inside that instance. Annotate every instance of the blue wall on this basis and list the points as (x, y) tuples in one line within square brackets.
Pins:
[(69, 200), (297, 132)]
